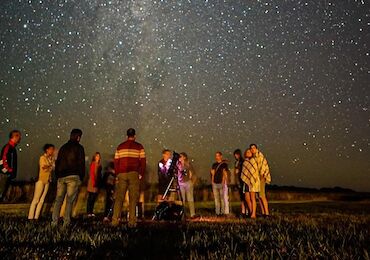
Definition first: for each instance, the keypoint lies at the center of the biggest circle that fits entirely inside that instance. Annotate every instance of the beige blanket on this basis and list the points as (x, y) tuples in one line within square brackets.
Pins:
[(263, 167), (250, 175)]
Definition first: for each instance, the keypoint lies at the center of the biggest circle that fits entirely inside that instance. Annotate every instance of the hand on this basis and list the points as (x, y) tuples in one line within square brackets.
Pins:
[(140, 176)]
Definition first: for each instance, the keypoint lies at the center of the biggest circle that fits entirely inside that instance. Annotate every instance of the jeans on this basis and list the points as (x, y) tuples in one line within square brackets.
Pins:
[(91, 198), (67, 185), (187, 190), (126, 181), (39, 195), (221, 194)]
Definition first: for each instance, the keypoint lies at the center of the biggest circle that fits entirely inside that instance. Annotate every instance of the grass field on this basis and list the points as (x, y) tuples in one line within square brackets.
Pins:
[(335, 230)]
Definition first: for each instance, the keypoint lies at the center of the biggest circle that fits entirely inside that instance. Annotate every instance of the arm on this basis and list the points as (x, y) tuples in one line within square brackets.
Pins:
[(142, 163), (226, 173), (116, 162), (224, 176), (4, 159), (212, 172), (45, 164), (192, 175)]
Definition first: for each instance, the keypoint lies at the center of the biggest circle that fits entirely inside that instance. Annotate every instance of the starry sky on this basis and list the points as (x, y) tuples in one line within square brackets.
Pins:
[(194, 76)]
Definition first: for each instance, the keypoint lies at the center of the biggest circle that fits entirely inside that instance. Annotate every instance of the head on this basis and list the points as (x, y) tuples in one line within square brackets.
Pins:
[(254, 148), (96, 157), (76, 135), (218, 157), (166, 155), (15, 136), (248, 153), (49, 149), (237, 154), (183, 157), (131, 134)]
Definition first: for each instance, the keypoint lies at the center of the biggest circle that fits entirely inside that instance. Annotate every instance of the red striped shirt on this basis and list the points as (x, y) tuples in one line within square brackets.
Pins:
[(129, 157)]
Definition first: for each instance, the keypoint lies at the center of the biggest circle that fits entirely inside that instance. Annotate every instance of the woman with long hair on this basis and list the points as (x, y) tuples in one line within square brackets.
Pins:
[(186, 179), (46, 164), (93, 183), (238, 166), (251, 178)]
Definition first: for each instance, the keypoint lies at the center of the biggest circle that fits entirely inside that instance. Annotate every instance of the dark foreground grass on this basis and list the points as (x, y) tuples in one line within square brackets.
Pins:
[(315, 230)]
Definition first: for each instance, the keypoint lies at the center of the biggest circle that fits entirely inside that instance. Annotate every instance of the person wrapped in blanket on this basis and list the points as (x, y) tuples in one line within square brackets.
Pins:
[(251, 182), (265, 177)]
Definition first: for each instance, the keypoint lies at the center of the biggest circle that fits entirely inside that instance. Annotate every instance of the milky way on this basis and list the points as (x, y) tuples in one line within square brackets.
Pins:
[(194, 76)]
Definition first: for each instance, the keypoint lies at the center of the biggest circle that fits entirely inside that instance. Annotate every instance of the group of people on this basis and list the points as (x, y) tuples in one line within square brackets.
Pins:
[(69, 169), (126, 173), (251, 173)]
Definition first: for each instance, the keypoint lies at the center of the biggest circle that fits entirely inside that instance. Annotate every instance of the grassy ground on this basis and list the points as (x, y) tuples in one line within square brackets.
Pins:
[(336, 230)]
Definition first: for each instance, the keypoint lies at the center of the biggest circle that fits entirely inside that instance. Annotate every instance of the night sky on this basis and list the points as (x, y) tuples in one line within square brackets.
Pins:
[(194, 76)]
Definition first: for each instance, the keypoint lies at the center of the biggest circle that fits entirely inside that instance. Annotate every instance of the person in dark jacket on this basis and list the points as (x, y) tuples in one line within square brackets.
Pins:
[(238, 167), (8, 161), (70, 171)]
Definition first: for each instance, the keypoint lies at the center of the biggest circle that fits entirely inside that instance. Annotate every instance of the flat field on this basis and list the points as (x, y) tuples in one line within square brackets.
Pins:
[(334, 230)]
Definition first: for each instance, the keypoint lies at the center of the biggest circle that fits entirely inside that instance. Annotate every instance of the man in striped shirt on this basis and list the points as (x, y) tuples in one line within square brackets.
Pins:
[(129, 166)]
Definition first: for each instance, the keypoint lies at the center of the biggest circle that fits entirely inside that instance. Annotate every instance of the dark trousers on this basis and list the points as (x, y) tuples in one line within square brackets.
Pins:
[(109, 201), (91, 201)]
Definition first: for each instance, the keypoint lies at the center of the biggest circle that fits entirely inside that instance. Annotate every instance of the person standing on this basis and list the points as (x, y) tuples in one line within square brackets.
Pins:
[(265, 177), (238, 165), (251, 181), (219, 173), (163, 176), (8, 161), (109, 181), (70, 171), (46, 166), (186, 178), (129, 164), (93, 183)]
